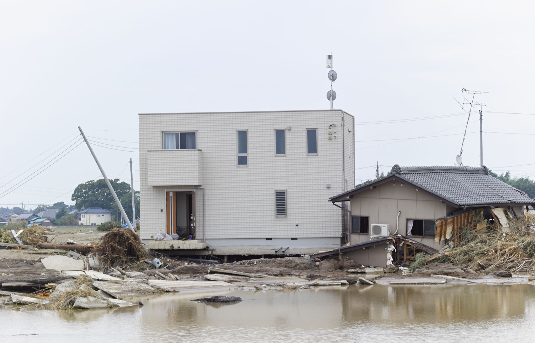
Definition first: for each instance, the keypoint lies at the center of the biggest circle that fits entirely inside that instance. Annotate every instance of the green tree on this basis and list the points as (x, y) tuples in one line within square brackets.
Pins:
[(525, 184), (59, 205), (68, 219), (62, 212), (17, 210), (40, 208), (126, 202), (96, 194)]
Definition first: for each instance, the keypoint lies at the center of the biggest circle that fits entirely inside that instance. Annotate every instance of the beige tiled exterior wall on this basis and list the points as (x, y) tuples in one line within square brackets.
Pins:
[(239, 201)]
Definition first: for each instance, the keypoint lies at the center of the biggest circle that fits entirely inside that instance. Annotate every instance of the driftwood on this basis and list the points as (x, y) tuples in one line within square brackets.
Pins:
[(84, 249)]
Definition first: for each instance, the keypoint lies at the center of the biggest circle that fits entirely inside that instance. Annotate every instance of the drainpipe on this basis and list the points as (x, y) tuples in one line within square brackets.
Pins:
[(397, 222)]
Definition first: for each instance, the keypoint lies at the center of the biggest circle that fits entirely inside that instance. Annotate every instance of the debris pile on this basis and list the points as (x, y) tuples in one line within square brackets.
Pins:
[(491, 249), (120, 247), (219, 299)]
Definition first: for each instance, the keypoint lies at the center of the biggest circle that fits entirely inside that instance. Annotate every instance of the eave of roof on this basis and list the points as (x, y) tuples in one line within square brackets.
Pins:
[(347, 195)]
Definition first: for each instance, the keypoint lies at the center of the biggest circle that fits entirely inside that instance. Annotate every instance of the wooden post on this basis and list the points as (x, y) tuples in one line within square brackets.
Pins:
[(405, 252)]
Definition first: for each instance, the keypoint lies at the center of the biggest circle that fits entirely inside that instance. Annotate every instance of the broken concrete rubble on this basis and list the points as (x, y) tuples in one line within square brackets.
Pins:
[(61, 263)]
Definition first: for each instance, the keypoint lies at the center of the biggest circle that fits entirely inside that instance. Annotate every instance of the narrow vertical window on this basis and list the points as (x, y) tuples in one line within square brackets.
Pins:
[(280, 203), (242, 148), (312, 141), (280, 142)]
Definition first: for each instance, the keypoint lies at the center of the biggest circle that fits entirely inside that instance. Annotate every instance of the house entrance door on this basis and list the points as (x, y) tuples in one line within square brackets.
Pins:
[(181, 214)]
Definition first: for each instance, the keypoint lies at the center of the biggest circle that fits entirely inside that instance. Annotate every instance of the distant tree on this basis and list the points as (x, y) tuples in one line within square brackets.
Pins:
[(126, 202), (62, 212), (40, 208), (68, 219), (17, 210), (59, 205), (96, 194), (525, 184)]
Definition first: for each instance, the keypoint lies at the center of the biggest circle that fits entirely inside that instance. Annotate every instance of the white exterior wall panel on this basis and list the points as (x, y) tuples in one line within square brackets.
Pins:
[(239, 201)]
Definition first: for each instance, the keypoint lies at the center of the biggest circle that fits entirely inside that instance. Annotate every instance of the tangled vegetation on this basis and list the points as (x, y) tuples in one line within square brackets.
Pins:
[(120, 247), (489, 248)]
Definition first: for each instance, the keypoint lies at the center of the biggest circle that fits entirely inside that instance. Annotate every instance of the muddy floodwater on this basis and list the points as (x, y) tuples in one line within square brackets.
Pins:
[(445, 313)]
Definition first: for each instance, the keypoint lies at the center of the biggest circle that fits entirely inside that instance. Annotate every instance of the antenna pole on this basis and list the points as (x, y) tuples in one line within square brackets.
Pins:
[(133, 195), (481, 135), (123, 214)]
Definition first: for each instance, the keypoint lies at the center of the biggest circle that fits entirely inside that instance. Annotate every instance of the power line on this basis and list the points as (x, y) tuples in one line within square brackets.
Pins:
[(404, 120), (24, 172), (106, 146), (40, 170), (112, 140)]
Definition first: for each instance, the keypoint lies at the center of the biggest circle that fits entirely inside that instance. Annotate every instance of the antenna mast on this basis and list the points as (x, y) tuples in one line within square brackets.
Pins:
[(331, 95)]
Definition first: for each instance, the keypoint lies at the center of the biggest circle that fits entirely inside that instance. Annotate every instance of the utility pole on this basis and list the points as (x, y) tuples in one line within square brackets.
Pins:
[(481, 135), (377, 171), (125, 217), (133, 195), (472, 103)]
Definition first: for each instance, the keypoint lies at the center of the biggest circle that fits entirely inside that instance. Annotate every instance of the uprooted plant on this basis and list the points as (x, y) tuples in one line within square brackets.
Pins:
[(491, 248), (120, 247)]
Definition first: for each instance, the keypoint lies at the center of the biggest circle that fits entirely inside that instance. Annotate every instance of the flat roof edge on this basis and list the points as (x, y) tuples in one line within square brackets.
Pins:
[(228, 112)]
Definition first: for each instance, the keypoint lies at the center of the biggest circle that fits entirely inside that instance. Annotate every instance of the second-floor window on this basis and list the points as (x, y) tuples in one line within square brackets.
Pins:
[(312, 142), (179, 140), (280, 142), (242, 148)]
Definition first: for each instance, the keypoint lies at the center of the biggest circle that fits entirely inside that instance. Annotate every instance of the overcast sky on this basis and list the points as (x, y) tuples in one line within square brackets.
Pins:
[(97, 64)]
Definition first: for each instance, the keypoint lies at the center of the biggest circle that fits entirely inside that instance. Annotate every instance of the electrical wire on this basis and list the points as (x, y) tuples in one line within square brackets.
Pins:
[(107, 147), (44, 159), (404, 120), (112, 140), (40, 170)]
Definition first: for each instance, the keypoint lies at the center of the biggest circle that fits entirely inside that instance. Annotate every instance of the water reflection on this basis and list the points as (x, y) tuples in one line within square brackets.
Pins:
[(398, 304), (373, 313)]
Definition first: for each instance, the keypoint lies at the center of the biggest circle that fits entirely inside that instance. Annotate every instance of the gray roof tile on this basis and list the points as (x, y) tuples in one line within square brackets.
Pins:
[(463, 186)]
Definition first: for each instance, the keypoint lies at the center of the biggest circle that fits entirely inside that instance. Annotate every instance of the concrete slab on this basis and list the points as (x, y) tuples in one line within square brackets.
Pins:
[(91, 273), (119, 289), (22, 300), (177, 286), (90, 303), (176, 245), (418, 281), (62, 263)]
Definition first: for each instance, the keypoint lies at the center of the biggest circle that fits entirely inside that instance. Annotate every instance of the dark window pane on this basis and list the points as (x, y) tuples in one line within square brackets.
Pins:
[(364, 223), (418, 228), (242, 142), (170, 140), (355, 227), (187, 140), (312, 142), (280, 142), (429, 228), (242, 160)]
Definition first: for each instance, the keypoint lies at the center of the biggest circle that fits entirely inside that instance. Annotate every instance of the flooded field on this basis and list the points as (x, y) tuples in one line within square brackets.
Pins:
[(446, 313)]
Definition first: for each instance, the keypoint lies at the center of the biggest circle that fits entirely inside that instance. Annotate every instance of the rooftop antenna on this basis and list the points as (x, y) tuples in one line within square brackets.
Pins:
[(331, 95)]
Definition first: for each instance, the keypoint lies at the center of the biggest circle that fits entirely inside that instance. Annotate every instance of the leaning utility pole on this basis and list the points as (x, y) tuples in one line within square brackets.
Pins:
[(125, 217), (133, 195)]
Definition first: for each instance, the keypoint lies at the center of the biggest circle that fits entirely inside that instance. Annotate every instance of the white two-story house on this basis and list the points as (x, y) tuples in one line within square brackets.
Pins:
[(246, 181)]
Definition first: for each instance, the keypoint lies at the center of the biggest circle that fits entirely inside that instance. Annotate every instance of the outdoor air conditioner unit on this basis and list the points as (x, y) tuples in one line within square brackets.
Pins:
[(380, 230)]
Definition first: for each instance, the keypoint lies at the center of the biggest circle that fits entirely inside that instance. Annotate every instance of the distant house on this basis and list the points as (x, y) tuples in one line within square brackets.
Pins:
[(3, 221), (93, 216), (27, 217), (50, 213), (41, 222), (426, 205), (13, 217)]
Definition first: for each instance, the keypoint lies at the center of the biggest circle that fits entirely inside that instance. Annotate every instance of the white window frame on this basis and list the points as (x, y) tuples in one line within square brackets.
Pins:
[(280, 155), (187, 131), (242, 154), (285, 203), (306, 137)]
